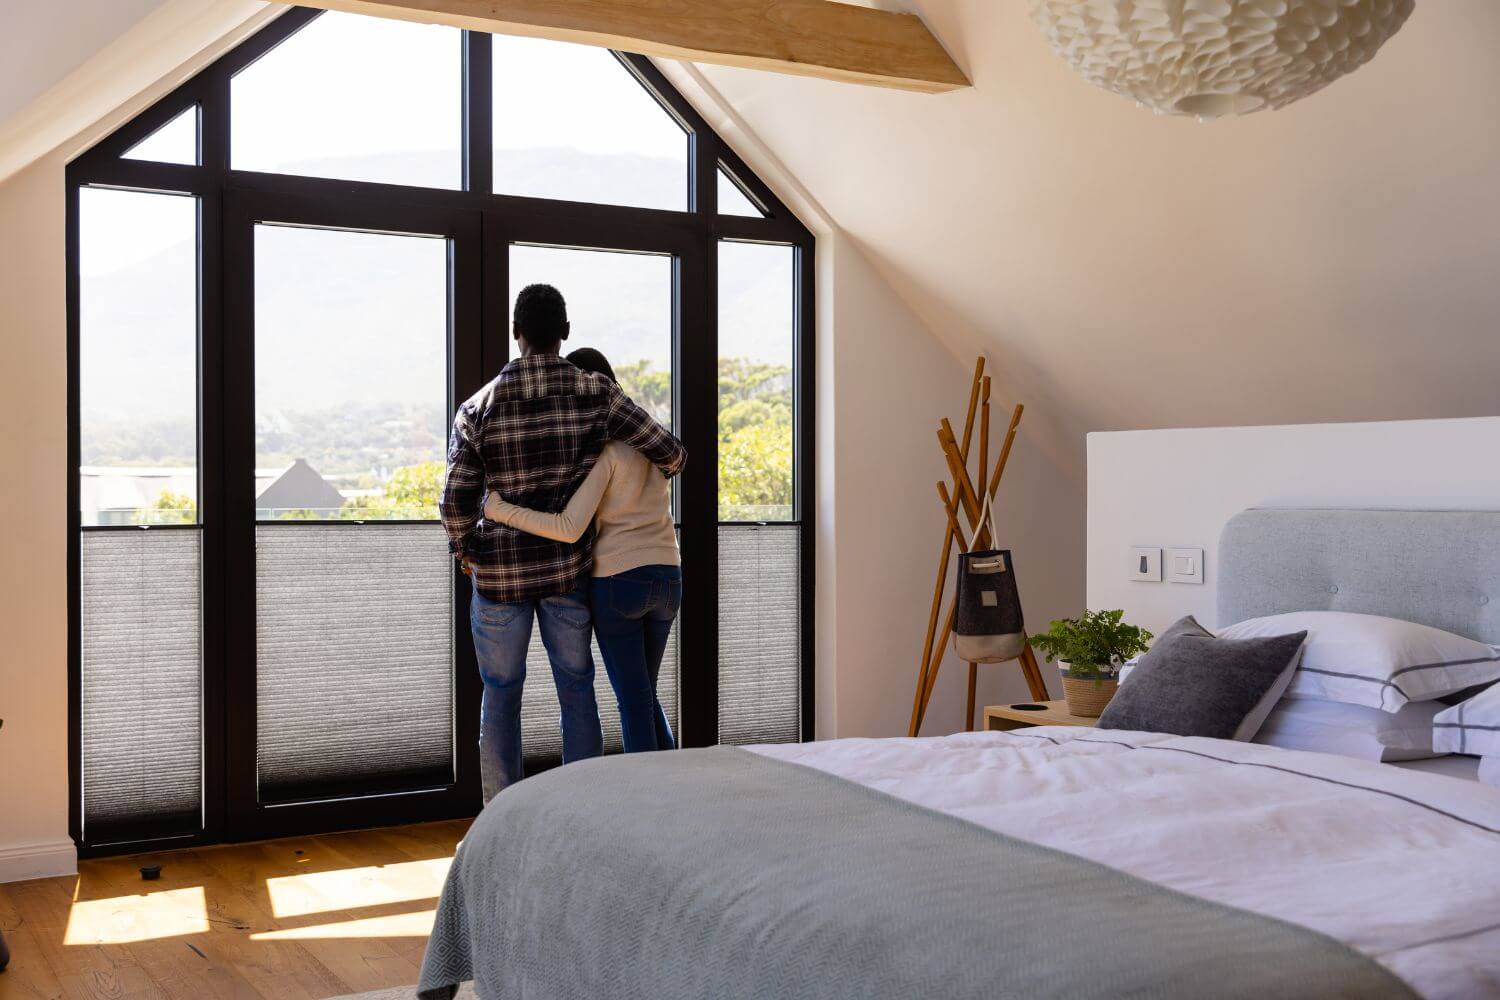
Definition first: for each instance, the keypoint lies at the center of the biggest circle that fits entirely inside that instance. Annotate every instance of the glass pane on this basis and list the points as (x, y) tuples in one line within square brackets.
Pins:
[(733, 201), (355, 98), (174, 142), (141, 712), (353, 657), (620, 304), (757, 346), (351, 362), (760, 634), (572, 123), (138, 358)]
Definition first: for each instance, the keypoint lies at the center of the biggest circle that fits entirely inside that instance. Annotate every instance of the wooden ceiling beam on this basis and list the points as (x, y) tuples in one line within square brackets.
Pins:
[(818, 38)]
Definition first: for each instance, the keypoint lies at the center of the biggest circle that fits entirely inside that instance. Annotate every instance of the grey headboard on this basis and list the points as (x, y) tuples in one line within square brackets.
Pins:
[(1439, 568)]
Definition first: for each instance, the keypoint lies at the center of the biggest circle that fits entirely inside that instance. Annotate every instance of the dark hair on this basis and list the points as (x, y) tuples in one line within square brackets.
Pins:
[(541, 317), (591, 360)]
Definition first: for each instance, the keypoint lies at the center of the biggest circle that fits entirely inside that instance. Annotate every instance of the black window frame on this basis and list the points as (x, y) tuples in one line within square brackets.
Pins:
[(480, 225)]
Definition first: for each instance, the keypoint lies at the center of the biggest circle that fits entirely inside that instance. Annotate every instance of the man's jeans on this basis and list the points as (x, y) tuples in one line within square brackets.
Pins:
[(502, 632)]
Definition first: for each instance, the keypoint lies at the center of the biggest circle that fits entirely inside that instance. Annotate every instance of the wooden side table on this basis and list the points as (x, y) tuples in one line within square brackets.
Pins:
[(999, 718)]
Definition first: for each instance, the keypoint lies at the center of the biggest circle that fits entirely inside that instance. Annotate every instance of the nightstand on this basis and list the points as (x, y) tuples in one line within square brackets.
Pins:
[(998, 718)]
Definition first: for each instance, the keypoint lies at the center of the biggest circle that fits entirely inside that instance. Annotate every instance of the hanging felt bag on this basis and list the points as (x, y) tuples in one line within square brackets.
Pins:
[(988, 626)]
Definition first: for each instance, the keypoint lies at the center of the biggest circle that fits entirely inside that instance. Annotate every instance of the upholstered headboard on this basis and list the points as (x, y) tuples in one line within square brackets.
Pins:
[(1439, 568)]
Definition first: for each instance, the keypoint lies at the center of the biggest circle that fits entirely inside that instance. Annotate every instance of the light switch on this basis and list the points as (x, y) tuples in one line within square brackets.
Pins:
[(1145, 564), (1185, 565)]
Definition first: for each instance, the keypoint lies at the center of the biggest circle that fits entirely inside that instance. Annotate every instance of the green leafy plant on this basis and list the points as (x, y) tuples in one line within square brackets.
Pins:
[(1092, 645)]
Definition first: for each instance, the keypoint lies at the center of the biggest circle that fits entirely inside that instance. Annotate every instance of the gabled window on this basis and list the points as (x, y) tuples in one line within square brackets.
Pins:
[(285, 277)]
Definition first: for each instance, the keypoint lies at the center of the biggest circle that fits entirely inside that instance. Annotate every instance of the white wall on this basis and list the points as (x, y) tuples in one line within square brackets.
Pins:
[(1179, 487), (33, 562), (892, 383)]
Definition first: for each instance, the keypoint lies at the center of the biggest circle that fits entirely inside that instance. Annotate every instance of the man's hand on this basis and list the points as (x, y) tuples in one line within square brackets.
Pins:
[(463, 564)]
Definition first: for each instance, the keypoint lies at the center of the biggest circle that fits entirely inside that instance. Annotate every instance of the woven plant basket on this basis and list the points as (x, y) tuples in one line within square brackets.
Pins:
[(1087, 696)]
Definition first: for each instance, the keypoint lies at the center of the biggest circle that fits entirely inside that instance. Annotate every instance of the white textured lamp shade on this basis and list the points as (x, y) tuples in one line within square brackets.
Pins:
[(1210, 58)]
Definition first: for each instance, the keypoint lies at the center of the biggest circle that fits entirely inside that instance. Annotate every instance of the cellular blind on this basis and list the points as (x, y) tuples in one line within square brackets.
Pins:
[(354, 657), (760, 634), (140, 717)]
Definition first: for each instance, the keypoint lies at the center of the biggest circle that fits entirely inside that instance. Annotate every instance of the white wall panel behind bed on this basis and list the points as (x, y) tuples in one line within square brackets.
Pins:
[(1179, 487)]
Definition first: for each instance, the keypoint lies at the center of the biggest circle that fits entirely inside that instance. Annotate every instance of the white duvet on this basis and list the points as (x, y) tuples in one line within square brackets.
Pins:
[(1401, 865)]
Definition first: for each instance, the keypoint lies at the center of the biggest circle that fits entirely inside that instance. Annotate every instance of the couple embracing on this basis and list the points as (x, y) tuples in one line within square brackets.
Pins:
[(557, 503)]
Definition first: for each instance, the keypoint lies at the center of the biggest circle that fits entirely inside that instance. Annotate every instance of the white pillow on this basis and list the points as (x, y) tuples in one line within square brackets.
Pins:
[(1353, 730), (1471, 726), (1489, 771), (1380, 662)]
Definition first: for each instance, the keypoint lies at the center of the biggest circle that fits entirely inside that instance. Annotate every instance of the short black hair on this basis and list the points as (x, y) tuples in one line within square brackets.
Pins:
[(541, 316), (591, 360)]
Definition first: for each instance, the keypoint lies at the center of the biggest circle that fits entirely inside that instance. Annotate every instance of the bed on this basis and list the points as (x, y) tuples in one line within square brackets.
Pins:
[(1045, 862)]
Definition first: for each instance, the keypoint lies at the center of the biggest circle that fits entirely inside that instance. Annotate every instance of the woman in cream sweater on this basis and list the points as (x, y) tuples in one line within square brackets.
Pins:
[(637, 584)]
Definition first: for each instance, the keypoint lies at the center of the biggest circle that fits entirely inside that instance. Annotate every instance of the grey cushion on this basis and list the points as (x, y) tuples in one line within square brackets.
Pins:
[(1193, 684)]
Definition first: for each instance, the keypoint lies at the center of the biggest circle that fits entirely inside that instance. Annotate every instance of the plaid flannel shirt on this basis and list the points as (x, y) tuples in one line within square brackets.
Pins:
[(532, 435)]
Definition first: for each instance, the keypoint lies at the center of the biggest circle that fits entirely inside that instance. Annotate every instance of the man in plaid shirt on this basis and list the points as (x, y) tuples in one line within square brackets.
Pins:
[(532, 435)]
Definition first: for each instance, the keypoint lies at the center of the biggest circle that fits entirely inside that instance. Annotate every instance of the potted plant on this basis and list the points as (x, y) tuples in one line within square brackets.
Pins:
[(1090, 650)]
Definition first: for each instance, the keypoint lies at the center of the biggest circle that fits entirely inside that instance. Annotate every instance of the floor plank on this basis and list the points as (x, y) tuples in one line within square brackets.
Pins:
[(297, 919)]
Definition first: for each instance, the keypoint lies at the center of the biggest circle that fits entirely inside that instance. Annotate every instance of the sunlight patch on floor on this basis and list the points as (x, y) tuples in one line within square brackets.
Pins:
[(418, 925), (351, 888), (124, 919)]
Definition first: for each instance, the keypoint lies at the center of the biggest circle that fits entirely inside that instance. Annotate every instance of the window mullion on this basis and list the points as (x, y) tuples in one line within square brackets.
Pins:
[(478, 114)]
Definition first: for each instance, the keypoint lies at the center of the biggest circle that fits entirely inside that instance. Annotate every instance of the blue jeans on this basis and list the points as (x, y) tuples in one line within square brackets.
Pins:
[(633, 614), (502, 631)]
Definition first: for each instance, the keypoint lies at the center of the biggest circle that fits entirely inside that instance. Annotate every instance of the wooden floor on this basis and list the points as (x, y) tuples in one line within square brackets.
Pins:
[(299, 919)]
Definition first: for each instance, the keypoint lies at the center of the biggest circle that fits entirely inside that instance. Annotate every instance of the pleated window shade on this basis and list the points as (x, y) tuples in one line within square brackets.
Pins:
[(354, 658), (141, 712), (760, 635)]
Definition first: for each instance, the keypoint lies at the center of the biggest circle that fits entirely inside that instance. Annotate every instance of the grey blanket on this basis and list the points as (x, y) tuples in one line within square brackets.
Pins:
[(726, 875)]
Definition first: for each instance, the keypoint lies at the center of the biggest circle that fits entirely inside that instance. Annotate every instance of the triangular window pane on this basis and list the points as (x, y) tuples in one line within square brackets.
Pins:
[(174, 142), (733, 201), (572, 123), (354, 98)]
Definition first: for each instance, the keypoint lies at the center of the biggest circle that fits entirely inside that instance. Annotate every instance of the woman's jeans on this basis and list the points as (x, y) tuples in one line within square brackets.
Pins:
[(633, 614), (502, 633)]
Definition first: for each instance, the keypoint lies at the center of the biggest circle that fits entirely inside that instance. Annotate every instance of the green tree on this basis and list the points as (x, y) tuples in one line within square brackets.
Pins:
[(755, 473), (411, 494), (651, 389), (169, 508), (755, 440)]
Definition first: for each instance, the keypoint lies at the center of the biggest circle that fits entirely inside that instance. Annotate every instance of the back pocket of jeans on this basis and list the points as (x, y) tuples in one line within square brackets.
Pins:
[(495, 613)]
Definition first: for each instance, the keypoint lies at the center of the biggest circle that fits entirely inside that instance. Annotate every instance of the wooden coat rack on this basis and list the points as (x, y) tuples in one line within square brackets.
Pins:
[(963, 494)]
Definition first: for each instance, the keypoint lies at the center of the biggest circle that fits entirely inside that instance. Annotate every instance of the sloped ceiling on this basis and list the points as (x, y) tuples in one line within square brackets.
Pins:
[(1336, 260), (43, 41)]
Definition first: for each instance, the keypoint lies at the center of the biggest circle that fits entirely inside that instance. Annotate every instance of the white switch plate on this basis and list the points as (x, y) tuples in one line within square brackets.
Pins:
[(1185, 565), (1145, 564)]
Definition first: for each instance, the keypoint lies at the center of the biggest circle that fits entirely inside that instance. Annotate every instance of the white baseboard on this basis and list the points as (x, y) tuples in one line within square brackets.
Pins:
[(27, 861)]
